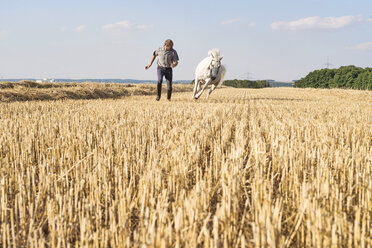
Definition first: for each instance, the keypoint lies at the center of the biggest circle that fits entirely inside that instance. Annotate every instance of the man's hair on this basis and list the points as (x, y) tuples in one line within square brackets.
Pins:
[(168, 42)]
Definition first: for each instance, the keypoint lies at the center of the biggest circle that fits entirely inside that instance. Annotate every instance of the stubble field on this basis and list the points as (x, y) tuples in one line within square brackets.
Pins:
[(277, 167)]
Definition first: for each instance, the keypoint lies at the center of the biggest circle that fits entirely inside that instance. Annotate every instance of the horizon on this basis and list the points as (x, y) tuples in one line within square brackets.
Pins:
[(281, 41), (60, 80)]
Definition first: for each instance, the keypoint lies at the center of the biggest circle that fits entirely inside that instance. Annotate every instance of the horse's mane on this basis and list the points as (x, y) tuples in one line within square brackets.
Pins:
[(215, 53)]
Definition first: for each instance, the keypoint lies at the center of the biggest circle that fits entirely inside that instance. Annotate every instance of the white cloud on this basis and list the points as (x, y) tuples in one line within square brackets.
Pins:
[(362, 46), (231, 21), (3, 32), (118, 25), (123, 25), (370, 19), (80, 28), (316, 22), (251, 24)]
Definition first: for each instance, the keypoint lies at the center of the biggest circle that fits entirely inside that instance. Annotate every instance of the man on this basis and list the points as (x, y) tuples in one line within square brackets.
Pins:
[(167, 60)]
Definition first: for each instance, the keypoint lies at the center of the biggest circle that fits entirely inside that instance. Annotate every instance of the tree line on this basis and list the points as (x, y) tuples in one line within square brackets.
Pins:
[(246, 83), (344, 77)]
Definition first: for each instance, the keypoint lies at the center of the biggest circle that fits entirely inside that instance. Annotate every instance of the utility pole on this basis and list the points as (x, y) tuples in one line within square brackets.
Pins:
[(247, 74), (327, 64)]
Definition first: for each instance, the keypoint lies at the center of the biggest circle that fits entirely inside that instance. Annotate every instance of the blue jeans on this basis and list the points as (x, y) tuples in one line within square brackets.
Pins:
[(168, 74)]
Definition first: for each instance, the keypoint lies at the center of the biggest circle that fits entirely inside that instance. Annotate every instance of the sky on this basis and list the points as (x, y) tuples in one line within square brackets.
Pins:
[(282, 40)]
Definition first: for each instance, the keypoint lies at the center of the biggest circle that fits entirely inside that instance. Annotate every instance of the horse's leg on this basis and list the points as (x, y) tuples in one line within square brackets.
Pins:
[(211, 89), (199, 85), (204, 87), (195, 86)]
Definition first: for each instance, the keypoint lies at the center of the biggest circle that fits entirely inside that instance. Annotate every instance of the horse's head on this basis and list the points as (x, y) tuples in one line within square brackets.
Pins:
[(215, 67), (215, 63)]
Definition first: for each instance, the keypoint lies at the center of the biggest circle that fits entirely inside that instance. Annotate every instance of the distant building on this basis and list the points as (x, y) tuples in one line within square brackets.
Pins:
[(270, 80), (274, 83), (45, 80)]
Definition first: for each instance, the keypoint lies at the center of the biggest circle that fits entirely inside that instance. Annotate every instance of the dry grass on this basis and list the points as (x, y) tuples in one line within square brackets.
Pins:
[(247, 168), (31, 91)]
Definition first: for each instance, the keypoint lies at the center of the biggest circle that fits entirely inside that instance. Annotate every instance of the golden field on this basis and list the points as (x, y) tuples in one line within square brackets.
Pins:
[(31, 91), (274, 167)]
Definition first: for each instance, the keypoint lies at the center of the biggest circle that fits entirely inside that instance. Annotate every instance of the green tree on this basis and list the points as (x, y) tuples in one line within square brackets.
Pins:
[(246, 83), (343, 77)]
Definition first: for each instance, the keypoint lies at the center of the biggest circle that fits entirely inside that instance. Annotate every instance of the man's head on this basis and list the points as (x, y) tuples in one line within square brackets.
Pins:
[(168, 45)]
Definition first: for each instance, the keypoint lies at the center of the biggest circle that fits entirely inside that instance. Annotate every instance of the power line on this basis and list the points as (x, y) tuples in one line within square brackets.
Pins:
[(248, 75), (327, 64)]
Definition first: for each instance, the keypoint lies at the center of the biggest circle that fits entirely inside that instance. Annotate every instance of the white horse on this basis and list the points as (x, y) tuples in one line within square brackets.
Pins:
[(209, 72)]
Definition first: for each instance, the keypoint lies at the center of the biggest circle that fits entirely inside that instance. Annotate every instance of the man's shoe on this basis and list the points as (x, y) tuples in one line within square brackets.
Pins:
[(157, 98)]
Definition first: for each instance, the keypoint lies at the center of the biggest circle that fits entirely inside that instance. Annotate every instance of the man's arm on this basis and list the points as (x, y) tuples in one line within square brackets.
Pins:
[(175, 59), (152, 61), (174, 64)]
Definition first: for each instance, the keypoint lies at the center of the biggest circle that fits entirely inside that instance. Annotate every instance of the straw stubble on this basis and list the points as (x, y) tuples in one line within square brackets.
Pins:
[(272, 167)]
